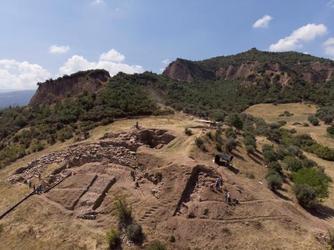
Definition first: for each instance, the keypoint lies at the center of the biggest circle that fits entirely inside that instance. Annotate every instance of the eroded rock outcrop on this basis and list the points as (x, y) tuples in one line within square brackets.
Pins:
[(255, 66), (52, 91)]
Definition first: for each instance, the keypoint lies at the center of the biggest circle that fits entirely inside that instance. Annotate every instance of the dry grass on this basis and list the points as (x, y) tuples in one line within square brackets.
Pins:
[(300, 111), (37, 222), (271, 113)]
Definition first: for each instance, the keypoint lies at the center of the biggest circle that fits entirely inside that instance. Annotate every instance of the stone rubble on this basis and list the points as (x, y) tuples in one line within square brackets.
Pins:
[(116, 148)]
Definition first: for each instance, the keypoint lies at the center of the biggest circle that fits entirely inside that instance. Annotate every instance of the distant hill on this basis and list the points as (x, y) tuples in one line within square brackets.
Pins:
[(14, 98), (213, 88), (254, 66)]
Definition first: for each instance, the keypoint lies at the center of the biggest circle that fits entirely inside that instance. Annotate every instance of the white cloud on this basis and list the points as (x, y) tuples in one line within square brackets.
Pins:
[(55, 49), (98, 2), (296, 39), (329, 46), (113, 56), (166, 61), (263, 22), (16, 75), (331, 3), (111, 61)]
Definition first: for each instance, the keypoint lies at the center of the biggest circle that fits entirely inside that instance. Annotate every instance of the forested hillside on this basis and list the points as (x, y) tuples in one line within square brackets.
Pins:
[(27, 129)]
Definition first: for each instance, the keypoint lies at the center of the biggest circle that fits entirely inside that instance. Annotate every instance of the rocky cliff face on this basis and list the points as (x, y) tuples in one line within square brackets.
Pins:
[(52, 91), (255, 67), (184, 70)]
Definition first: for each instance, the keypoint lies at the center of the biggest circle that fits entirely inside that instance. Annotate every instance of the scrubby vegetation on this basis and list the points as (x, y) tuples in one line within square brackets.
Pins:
[(274, 180), (311, 186), (250, 142), (156, 245), (330, 130), (126, 223), (24, 130), (123, 211), (188, 131), (113, 239), (134, 233), (326, 113), (313, 120)]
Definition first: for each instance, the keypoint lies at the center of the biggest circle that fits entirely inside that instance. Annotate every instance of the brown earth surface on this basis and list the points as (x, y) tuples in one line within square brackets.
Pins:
[(168, 183)]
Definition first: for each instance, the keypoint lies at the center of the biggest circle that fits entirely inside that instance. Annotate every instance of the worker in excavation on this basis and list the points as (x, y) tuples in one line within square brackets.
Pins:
[(219, 183)]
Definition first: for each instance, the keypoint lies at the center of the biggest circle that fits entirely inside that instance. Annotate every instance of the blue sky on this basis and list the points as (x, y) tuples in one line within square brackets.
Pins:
[(47, 38)]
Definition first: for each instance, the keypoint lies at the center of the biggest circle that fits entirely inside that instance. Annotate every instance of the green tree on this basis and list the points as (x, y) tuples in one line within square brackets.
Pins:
[(312, 178), (313, 120), (274, 180), (235, 121), (292, 163)]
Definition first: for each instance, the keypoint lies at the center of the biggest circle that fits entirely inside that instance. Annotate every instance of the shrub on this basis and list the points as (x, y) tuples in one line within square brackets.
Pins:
[(134, 233), (305, 195), (275, 167), (200, 144), (250, 149), (294, 150), (230, 133), (113, 239), (293, 131), (274, 135), (282, 123), (123, 211), (269, 154), (249, 139), (313, 120), (292, 163), (156, 245), (218, 116), (286, 113), (230, 144), (199, 141), (321, 151), (250, 143), (209, 135), (218, 136), (328, 119), (308, 163), (250, 175), (274, 125), (330, 130), (188, 131), (219, 147), (235, 121), (314, 178), (331, 238), (274, 181), (36, 146)]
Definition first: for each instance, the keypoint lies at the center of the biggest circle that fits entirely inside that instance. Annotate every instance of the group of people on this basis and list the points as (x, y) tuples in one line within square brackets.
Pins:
[(218, 186), (37, 189)]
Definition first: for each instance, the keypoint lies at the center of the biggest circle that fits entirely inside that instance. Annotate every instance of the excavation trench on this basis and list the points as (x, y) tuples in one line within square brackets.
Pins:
[(191, 184)]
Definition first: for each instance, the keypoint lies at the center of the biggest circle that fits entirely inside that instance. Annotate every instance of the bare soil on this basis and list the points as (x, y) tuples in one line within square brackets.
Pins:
[(169, 183)]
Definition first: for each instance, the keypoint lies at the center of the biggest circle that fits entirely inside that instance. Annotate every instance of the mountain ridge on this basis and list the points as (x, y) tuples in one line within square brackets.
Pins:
[(254, 66)]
